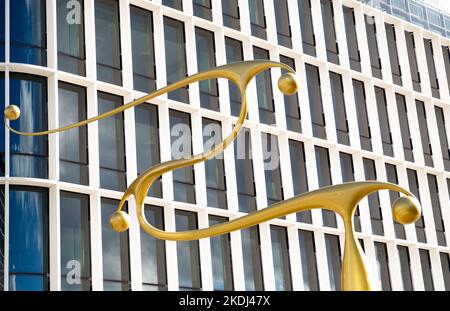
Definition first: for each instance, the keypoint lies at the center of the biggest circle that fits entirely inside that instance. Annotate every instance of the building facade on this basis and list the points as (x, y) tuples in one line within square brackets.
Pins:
[(373, 103)]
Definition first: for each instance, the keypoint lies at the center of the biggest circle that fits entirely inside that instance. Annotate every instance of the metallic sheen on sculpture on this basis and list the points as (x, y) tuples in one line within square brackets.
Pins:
[(341, 199)]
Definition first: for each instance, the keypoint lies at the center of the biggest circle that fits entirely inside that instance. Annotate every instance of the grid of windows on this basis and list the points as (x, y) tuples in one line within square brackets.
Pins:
[(107, 156)]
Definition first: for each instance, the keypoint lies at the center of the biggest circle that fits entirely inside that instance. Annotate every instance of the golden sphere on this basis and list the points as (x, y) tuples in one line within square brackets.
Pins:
[(406, 210), (12, 112), (120, 221), (288, 84)]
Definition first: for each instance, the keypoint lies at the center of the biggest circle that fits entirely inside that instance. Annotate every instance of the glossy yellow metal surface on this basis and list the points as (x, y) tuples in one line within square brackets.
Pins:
[(341, 199)]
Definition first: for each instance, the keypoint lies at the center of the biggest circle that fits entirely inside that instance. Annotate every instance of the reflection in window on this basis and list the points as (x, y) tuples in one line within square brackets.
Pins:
[(176, 4), (188, 253), (324, 175), (176, 68), (28, 239), (375, 61), (245, 179), (340, 116), (348, 175), (71, 44), (315, 101), (405, 266), (257, 18), (221, 257), (28, 32), (107, 41), (427, 275), (414, 69), (334, 261), (383, 266), (440, 121), (144, 75), (251, 253), (299, 175), (291, 106), (306, 27), (391, 39), (436, 207), (147, 142), (203, 9), (414, 188), (376, 218), (280, 253), (75, 241), (283, 25), (365, 133), (272, 172), (29, 155), (308, 259), (216, 191), (209, 90), (445, 263), (234, 54), (434, 82), (424, 136), (264, 90), (181, 142), (153, 252), (111, 140), (115, 249), (230, 14), (392, 177), (383, 117), (404, 127), (73, 144), (352, 40), (329, 31)]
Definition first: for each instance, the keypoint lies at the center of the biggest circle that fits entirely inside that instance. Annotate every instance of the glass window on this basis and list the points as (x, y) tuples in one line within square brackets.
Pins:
[(365, 133), (348, 175), (147, 143), (2, 48), (414, 188), (283, 24), (411, 48), (75, 241), (251, 254), (427, 274), (144, 75), (230, 14), (73, 144), (28, 239), (446, 55), (245, 179), (111, 140), (2, 128), (280, 253), (29, 155), (308, 259), (306, 27), (392, 177), (383, 117), (436, 207), (291, 106), (183, 178), (107, 41), (376, 218), (440, 121), (203, 9), (176, 4), (264, 90), (445, 263), (153, 252), (391, 38), (315, 101), (334, 261), (329, 31), (176, 68), (405, 267), (221, 257), (234, 54), (299, 175), (71, 44), (257, 18), (115, 249), (188, 253), (2, 234), (434, 82), (352, 40), (425, 137), (404, 127), (28, 32), (371, 31), (216, 190), (383, 266), (340, 115), (272, 173), (209, 90), (324, 175)]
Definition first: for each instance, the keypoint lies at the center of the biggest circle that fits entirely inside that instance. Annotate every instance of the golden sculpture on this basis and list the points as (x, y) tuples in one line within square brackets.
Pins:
[(341, 199)]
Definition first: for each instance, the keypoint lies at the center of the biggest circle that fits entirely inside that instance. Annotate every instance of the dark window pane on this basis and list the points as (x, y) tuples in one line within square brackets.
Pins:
[(340, 116), (376, 218), (299, 175), (2, 128), (176, 4), (308, 259), (188, 253), (257, 18), (251, 253), (348, 175), (111, 141), (75, 242), (426, 269), (245, 179), (28, 239), (2, 234), (405, 266), (393, 53), (73, 144), (272, 172), (383, 266), (234, 54), (291, 106), (334, 261), (440, 121), (375, 61), (306, 27), (404, 127), (434, 82), (203, 9), (445, 263), (221, 258), (29, 155), (315, 101), (280, 253), (2, 52), (365, 133), (324, 175), (264, 90), (436, 207), (392, 177), (329, 31), (107, 41), (283, 25), (425, 137), (383, 118), (414, 188), (352, 40), (230, 14), (446, 55), (411, 48)]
